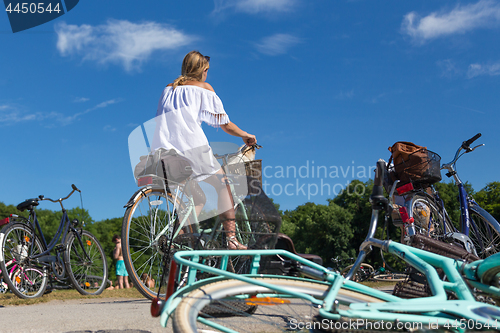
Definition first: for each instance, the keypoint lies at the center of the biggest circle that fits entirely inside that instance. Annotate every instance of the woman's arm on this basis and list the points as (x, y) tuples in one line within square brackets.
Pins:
[(231, 129)]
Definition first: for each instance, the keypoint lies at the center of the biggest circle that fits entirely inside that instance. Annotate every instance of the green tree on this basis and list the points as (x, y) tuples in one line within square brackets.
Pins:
[(324, 230), (489, 199), (104, 232)]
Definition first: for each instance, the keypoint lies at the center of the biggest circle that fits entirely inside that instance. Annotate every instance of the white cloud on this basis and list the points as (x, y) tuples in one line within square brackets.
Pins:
[(80, 99), (65, 120), (461, 19), (255, 6), (11, 115), (277, 44), (122, 42), (478, 69)]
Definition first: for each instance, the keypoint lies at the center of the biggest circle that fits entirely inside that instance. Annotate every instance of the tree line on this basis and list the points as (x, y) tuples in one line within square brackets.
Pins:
[(336, 228), (339, 227)]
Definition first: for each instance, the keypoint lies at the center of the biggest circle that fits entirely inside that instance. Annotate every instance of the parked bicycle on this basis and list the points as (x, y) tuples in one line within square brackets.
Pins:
[(161, 218), (28, 263), (365, 271), (479, 232), (269, 303)]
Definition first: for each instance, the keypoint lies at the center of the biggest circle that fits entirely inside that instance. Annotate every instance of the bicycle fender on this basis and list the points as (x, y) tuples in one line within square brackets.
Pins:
[(136, 195), (2, 235), (480, 211)]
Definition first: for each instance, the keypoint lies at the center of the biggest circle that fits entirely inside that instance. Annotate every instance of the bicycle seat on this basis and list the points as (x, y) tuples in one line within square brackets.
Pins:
[(28, 204)]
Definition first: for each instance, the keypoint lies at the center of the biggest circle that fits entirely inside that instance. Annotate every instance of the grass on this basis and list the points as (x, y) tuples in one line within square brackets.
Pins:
[(9, 299)]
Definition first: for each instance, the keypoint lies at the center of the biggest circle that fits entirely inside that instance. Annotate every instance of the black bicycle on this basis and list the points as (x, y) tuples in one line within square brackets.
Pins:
[(28, 263)]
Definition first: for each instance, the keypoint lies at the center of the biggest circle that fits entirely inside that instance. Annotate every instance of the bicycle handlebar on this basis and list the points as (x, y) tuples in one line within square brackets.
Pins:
[(466, 144), (243, 150), (41, 197)]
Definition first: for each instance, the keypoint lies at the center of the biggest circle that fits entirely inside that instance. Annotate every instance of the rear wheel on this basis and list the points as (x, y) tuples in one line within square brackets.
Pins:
[(271, 312), (23, 277), (147, 227), (428, 217), (86, 263)]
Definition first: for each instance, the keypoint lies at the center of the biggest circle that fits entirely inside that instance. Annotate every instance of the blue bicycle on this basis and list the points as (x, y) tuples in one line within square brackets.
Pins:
[(479, 232)]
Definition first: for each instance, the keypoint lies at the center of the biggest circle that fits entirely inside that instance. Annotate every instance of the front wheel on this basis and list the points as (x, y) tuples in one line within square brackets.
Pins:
[(23, 277), (271, 312), (85, 263), (484, 234)]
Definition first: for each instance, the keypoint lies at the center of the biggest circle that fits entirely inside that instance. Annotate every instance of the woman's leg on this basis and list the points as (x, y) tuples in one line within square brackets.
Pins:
[(225, 205)]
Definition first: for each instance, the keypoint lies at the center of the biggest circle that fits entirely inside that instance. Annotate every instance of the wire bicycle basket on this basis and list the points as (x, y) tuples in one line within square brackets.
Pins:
[(422, 168)]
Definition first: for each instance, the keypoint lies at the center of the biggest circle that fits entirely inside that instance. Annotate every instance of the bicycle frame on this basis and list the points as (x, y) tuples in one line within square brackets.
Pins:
[(190, 211), (467, 203), (44, 258), (16, 270), (64, 227), (424, 261)]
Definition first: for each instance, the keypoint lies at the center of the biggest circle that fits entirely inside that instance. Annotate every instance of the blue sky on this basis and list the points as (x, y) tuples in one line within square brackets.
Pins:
[(321, 83)]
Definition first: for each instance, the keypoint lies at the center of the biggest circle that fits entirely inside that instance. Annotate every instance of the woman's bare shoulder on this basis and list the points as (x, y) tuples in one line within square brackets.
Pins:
[(203, 85)]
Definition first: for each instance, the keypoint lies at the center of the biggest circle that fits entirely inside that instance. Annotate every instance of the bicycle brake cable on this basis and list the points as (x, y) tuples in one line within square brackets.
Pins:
[(81, 206)]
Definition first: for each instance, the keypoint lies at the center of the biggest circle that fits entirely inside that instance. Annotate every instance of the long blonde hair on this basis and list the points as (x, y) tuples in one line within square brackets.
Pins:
[(193, 66)]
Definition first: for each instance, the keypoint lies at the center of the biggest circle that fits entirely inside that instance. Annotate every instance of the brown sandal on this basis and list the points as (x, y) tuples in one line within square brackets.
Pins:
[(233, 244)]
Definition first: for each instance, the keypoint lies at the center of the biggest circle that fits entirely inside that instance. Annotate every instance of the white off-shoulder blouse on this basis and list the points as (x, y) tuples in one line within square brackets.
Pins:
[(179, 116)]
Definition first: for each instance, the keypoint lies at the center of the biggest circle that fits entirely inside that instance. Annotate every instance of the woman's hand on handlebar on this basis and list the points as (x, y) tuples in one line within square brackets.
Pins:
[(249, 139)]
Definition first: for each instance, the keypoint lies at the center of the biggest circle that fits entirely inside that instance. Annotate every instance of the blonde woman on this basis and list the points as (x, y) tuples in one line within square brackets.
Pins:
[(183, 106)]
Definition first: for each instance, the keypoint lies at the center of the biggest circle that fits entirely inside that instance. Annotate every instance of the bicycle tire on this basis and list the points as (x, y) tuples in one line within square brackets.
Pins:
[(441, 225), (484, 234), (151, 212), (395, 277), (279, 317), (27, 281), (364, 272), (88, 278)]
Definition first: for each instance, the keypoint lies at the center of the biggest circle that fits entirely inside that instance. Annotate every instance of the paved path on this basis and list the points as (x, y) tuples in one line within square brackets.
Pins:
[(104, 315)]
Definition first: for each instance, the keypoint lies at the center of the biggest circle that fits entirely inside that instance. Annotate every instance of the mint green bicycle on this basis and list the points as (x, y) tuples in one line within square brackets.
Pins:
[(161, 217), (324, 300)]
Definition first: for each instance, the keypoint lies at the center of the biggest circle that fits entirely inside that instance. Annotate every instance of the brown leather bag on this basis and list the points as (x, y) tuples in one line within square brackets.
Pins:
[(410, 161)]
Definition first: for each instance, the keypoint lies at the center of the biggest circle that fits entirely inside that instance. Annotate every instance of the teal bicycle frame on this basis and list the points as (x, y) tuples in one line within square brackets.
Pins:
[(190, 213), (436, 309)]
